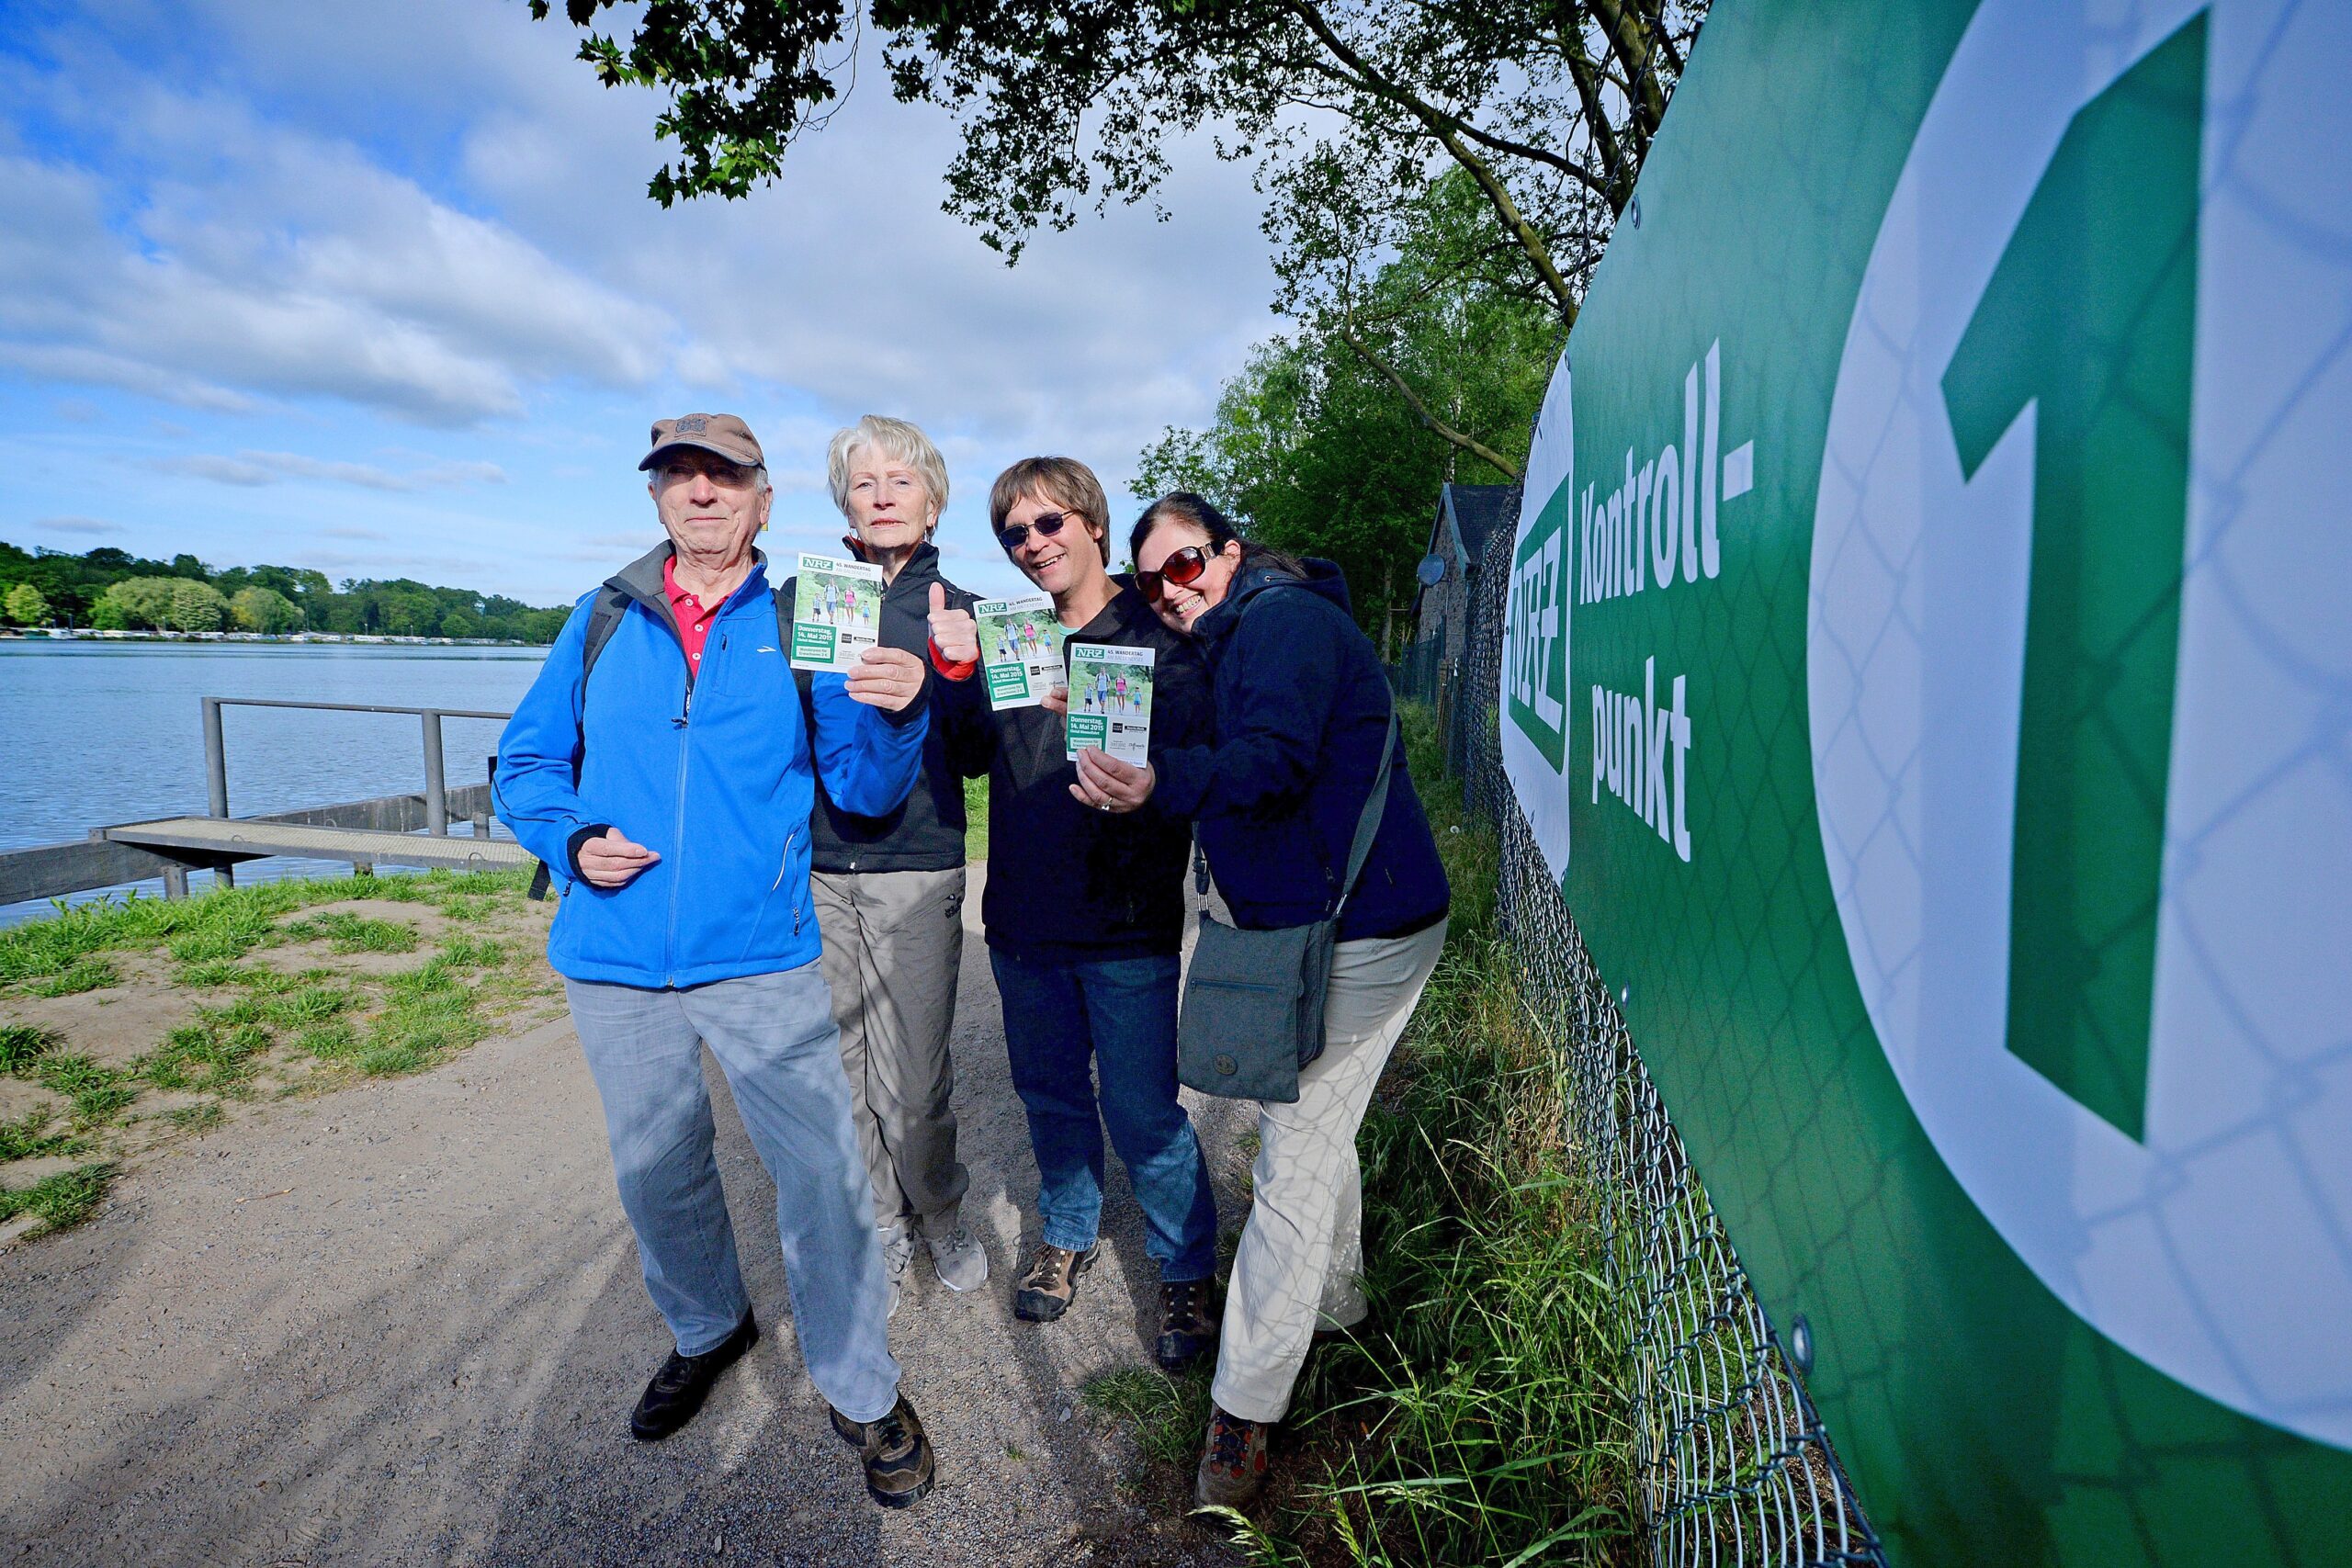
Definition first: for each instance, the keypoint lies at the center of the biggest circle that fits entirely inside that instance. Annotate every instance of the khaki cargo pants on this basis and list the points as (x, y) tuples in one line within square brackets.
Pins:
[(894, 946)]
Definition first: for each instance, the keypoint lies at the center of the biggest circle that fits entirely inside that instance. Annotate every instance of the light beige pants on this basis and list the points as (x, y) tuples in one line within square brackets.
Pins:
[(894, 944), (1302, 1253)]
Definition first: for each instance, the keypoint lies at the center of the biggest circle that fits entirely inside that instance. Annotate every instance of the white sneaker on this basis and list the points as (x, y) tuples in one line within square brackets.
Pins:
[(898, 1257), (962, 1262)]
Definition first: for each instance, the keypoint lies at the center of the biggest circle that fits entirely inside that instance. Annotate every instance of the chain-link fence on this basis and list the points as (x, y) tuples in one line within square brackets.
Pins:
[(1730, 1456)]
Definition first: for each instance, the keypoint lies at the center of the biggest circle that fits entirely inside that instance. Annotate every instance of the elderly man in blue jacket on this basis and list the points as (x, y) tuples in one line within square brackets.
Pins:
[(663, 769)]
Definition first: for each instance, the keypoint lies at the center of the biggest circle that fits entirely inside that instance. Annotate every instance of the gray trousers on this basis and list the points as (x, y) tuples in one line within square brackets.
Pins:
[(775, 1042), (894, 945)]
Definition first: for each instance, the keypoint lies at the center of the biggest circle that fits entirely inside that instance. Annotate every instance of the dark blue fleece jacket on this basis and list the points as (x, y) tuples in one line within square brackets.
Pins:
[(1301, 708)]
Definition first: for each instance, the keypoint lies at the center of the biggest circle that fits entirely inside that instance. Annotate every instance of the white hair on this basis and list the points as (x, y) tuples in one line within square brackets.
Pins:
[(893, 438)]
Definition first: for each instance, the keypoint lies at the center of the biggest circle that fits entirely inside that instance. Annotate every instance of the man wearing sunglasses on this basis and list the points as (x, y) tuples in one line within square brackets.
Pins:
[(1084, 914)]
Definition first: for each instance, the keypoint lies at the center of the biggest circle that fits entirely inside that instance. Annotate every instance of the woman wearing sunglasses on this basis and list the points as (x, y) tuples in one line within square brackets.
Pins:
[(1302, 721)]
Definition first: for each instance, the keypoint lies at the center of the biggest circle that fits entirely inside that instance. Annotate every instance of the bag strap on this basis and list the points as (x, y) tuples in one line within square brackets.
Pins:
[(604, 619), (1374, 807)]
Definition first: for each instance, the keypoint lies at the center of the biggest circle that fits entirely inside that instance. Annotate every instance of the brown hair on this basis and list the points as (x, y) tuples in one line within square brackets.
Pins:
[(1184, 506), (1065, 481)]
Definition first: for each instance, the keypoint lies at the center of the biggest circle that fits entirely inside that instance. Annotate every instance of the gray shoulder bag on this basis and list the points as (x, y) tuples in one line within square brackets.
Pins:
[(1253, 1000)]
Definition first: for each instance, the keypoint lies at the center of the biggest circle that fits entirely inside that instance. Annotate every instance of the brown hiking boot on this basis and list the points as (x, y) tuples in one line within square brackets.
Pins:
[(899, 1466), (1187, 1322), (1045, 1291), (1233, 1462)]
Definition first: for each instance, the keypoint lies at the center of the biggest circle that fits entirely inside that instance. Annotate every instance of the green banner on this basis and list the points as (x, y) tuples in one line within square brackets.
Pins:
[(1929, 672)]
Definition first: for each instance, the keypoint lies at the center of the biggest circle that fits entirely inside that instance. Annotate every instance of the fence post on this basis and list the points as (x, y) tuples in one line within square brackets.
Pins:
[(436, 788), (216, 793), (216, 762)]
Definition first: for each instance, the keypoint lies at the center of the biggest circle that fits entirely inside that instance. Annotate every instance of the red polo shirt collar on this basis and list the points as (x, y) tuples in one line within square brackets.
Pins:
[(693, 617)]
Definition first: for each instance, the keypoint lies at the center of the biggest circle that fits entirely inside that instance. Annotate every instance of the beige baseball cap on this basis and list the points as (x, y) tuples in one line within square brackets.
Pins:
[(724, 434)]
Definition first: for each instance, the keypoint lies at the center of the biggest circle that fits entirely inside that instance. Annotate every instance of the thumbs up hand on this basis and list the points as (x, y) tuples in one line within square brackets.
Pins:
[(953, 632)]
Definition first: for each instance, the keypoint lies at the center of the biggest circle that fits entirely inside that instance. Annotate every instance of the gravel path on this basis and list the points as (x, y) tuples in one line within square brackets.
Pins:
[(402, 1323)]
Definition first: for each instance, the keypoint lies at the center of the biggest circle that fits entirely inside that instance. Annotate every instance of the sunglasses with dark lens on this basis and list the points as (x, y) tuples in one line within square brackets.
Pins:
[(1181, 567), (1046, 524)]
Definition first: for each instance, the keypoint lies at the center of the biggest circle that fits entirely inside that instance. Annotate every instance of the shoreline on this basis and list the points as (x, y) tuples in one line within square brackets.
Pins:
[(363, 639)]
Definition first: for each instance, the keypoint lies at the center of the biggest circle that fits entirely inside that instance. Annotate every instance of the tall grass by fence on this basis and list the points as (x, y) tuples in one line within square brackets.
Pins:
[(1731, 1463)]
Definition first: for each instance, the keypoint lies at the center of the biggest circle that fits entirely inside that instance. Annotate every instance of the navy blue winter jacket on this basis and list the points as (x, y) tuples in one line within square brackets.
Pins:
[(714, 771), (1302, 709)]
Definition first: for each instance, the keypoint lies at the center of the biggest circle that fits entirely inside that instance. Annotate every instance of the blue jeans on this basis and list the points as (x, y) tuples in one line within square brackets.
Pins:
[(1121, 1014), (774, 1038)]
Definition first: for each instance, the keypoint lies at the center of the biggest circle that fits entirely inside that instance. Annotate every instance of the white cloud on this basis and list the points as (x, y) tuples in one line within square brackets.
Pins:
[(256, 469), (281, 264), (220, 470), (79, 526), (350, 218)]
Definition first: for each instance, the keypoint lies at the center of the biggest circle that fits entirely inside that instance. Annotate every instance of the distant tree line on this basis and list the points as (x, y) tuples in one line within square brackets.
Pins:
[(113, 590)]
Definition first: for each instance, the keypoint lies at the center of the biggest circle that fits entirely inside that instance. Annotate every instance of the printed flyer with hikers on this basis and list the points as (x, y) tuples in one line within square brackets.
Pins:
[(1021, 649), (836, 611), (1109, 701)]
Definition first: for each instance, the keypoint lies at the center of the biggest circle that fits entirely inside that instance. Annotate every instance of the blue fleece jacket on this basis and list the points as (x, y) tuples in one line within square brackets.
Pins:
[(713, 770), (1302, 709)]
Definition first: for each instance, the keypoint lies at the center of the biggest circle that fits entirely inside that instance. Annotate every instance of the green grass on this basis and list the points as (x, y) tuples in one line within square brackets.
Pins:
[(90, 975), (312, 1003), (976, 819), (29, 1137), (431, 1013), (349, 933), (1167, 1414), (336, 1041), (462, 951), (213, 1053), (369, 1024), (62, 1201), (225, 923), (98, 1092), (1481, 1418), (22, 1044)]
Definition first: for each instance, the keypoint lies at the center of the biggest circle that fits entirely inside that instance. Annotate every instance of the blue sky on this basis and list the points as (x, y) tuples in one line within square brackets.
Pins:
[(373, 285)]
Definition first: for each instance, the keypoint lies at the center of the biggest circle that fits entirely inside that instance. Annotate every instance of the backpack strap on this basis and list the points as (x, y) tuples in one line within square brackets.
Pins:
[(604, 619), (604, 615)]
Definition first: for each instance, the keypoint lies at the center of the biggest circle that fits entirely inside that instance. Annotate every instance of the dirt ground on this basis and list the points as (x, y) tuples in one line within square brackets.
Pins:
[(402, 1323)]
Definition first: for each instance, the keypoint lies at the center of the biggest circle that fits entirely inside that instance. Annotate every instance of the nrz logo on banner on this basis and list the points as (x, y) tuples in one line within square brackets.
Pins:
[(1659, 527), (2080, 690)]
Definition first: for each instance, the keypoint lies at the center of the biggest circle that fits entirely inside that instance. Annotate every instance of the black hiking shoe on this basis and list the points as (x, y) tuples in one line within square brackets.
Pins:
[(1188, 1323), (678, 1390), (1045, 1291), (899, 1466)]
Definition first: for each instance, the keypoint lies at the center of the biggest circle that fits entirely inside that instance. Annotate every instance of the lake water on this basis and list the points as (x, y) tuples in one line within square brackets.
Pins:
[(93, 732)]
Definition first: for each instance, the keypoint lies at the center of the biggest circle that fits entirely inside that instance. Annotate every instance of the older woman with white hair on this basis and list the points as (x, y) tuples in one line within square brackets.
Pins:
[(889, 889)]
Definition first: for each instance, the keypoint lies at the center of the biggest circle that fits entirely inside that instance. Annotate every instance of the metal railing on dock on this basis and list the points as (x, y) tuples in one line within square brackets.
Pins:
[(437, 787), (361, 833)]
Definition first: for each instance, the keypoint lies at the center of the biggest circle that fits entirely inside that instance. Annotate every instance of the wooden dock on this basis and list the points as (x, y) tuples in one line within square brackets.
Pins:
[(358, 846), (396, 829)]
